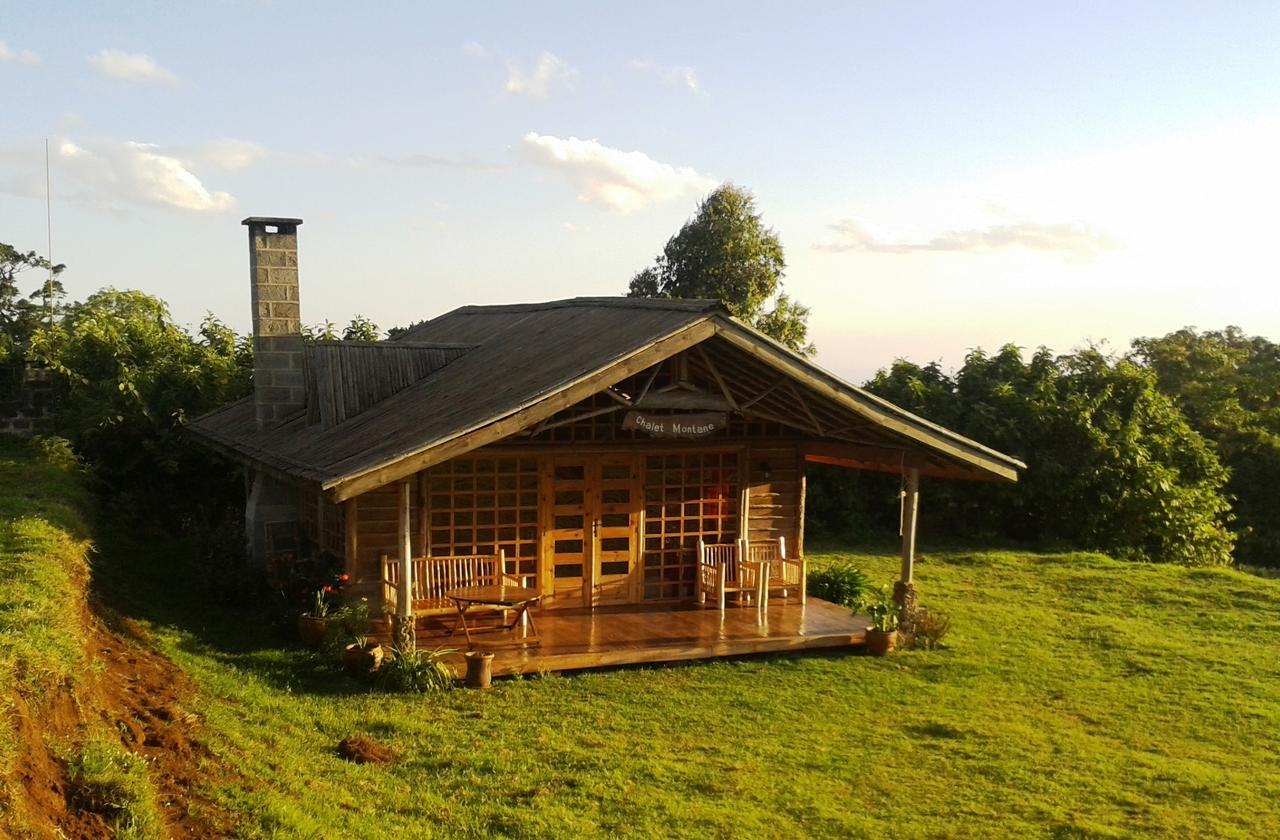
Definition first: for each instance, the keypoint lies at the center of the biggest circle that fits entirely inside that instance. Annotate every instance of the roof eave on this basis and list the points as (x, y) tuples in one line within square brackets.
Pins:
[(882, 412)]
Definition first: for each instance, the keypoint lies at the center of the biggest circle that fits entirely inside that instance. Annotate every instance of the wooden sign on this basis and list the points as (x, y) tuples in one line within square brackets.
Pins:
[(676, 425)]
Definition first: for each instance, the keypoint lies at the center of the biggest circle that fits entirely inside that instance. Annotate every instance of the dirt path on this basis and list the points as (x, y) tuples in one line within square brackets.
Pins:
[(144, 698)]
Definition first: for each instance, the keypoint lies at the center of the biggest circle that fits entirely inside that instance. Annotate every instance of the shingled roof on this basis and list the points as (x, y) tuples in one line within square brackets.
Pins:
[(524, 363)]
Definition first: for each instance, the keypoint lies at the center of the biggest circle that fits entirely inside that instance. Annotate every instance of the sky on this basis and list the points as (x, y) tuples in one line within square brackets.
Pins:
[(942, 176)]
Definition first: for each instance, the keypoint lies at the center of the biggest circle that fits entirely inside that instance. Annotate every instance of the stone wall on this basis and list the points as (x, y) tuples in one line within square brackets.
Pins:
[(26, 400)]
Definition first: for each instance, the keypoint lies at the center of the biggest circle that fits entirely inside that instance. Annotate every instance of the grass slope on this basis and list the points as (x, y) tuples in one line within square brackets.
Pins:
[(1076, 697), (45, 658), (44, 572)]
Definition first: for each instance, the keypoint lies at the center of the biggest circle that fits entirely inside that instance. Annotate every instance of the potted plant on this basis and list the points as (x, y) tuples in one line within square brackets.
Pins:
[(312, 625), (882, 635), (362, 657)]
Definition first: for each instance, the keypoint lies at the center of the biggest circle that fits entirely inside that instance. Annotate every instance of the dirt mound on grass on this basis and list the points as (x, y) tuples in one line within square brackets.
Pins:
[(364, 750), (141, 696)]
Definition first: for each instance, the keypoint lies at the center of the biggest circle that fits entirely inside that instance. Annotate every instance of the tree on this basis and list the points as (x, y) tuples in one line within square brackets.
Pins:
[(130, 379), (726, 253), (1228, 385), (1112, 462), (359, 328), (19, 317)]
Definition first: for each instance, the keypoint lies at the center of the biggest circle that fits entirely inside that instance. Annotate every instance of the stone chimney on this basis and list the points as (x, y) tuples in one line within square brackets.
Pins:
[(277, 326)]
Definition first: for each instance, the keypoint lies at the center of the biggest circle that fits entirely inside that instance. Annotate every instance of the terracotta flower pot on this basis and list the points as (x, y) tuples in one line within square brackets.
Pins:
[(880, 642), (360, 661), (311, 630)]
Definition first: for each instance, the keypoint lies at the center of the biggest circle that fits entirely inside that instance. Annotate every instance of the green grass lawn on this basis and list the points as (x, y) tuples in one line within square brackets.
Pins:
[(1076, 697)]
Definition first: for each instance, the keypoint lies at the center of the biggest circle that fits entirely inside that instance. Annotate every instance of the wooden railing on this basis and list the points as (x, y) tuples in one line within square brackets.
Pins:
[(434, 576)]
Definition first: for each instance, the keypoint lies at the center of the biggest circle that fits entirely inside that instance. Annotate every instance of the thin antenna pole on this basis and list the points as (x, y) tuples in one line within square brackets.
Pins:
[(48, 224)]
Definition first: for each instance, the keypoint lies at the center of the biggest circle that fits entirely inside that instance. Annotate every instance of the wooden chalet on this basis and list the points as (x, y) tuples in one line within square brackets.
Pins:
[(588, 447)]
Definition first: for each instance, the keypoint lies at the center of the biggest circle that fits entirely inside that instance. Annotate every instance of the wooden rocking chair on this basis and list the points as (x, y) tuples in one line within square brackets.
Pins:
[(722, 570), (786, 574)]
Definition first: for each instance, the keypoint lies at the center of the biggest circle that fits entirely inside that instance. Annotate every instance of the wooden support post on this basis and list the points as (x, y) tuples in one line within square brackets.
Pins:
[(404, 633), (351, 531), (904, 591)]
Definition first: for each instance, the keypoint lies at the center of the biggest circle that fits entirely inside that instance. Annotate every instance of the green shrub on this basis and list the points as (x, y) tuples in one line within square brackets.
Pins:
[(56, 452), (350, 620), (415, 671), (839, 583), (925, 629)]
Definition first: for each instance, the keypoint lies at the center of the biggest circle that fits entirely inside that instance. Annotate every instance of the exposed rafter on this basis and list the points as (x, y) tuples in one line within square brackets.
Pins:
[(715, 374), (817, 427)]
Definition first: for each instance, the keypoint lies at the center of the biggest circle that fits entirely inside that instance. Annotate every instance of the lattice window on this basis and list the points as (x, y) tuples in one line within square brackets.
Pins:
[(483, 505), (333, 529), (688, 497)]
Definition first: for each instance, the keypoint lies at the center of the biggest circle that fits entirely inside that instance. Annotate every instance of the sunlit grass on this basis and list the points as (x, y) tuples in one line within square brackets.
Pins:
[(44, 654), (1076, 697)]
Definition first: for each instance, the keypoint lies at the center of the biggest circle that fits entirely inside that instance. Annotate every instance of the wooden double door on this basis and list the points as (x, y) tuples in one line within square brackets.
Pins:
[(591, 542)]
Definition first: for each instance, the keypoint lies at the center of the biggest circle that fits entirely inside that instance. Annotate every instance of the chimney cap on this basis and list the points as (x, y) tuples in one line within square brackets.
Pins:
[(259, 221)]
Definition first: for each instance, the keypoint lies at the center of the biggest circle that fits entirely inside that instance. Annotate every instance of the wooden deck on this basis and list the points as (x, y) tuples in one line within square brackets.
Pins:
[(634, 634)]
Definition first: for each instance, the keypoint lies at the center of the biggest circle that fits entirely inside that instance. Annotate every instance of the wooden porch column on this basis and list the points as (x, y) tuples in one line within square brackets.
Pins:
[(403, 622), (904, 591), (351, 531)]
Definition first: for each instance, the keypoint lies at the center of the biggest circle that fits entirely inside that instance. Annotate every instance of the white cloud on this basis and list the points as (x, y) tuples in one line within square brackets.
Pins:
[(114, 174), (676, 75), (1070, 238), (8, 55), (549, 73), (131, 67), (475, 49), (611, 178), (228, 155)]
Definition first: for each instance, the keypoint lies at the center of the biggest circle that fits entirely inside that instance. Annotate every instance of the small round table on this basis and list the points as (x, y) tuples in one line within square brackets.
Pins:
[(507, 596)]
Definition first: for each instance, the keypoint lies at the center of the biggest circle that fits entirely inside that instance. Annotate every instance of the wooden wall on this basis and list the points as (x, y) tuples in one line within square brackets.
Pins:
[(775, 507), (377, 533), (321, 522), (775, 503)]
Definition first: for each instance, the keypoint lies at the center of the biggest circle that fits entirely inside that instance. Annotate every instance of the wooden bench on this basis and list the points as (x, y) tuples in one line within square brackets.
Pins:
[(434, 576)]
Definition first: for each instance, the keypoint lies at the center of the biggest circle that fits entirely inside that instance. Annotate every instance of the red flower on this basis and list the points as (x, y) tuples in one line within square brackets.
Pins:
[(344, 577)]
